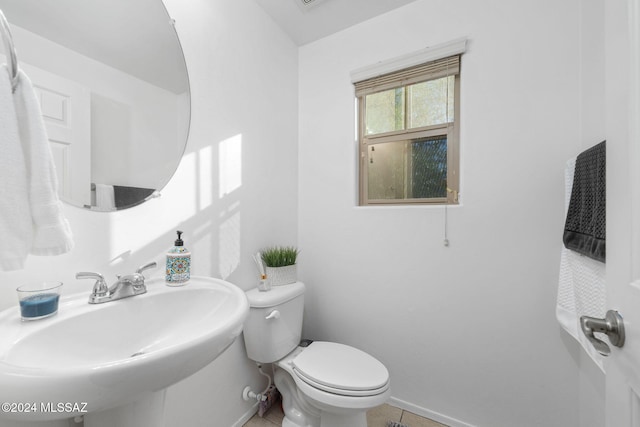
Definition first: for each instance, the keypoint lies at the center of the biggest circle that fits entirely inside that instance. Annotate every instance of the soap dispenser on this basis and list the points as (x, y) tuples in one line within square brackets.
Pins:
[(178, 264)]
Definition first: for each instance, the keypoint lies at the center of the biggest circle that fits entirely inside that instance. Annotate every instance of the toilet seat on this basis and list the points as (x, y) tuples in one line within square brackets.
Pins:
[(341, 369)]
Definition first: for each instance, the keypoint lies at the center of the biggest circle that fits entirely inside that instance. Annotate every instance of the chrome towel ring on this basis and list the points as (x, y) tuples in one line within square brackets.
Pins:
[(10, 51)]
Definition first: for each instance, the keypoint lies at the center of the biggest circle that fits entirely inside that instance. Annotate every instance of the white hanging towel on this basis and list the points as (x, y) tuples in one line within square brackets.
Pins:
[(105, 198), (51, 231), (15, 213), (581, 287)]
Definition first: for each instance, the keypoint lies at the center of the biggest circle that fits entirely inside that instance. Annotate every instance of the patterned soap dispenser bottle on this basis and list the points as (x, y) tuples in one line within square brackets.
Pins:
[(178, 264)]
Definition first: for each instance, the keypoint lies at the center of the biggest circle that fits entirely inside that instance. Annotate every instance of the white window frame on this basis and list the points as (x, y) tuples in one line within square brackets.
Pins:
[(383, 76)]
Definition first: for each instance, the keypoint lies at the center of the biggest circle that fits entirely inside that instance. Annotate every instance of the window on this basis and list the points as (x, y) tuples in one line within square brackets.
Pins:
[(408, 125)]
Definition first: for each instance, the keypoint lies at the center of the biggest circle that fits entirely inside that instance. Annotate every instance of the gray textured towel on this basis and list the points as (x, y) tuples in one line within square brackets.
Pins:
[(585, 227), (130, 196)]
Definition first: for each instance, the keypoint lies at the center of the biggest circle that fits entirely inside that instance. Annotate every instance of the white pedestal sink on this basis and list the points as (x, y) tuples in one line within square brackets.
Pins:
[(109, 356)]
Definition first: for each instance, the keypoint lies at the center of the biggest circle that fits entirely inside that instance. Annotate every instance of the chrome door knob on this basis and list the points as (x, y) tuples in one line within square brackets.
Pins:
[(612, 325)]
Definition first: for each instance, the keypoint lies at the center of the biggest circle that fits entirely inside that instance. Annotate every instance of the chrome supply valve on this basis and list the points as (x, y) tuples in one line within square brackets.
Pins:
[(126, 286)]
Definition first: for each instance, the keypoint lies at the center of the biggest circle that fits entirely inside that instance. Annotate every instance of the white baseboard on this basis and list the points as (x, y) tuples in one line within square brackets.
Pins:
[(247, 416), (423, 412)]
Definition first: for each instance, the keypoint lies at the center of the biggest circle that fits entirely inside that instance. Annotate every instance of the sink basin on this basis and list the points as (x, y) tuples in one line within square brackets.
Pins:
[(102, 356)]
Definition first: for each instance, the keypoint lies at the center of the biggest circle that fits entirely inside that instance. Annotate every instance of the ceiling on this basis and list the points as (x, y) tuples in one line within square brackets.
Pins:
[(136, 36), (321, 18)]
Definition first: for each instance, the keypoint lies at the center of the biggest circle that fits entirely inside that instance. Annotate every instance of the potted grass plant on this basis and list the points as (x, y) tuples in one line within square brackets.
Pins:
[(280, 262)]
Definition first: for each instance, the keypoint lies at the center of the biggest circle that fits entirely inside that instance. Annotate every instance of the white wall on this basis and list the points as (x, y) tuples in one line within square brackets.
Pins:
[(231, 49), (468, 331)]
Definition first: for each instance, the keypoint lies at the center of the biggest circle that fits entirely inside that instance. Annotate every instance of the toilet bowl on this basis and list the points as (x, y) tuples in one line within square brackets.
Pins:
[(324, 384)]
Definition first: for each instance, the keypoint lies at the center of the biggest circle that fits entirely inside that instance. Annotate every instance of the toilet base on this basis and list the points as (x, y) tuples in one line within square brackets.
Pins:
[(299, 412), (358, 419), (330, 420)]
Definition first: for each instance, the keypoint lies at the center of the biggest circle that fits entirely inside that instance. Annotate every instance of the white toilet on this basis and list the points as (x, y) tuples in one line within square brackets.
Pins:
[(324, 384)]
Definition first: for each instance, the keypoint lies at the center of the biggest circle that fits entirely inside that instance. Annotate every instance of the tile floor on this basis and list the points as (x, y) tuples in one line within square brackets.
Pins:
[(376, 417)]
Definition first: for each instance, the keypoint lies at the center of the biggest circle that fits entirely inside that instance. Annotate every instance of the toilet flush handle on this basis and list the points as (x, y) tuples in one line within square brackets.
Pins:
[(275, 314)]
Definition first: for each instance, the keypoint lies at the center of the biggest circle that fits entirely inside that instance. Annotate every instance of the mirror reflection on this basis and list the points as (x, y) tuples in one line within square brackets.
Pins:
[(114, 93)]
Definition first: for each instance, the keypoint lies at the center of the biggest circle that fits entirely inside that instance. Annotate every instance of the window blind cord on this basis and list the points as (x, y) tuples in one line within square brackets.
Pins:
[(446, 237)]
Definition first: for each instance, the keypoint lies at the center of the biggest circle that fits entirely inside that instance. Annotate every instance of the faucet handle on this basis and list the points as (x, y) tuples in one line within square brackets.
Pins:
[(100, 288), (147, 266)]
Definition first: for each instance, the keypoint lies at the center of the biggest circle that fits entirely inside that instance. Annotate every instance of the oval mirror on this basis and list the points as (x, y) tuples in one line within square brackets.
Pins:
[(114, 93)]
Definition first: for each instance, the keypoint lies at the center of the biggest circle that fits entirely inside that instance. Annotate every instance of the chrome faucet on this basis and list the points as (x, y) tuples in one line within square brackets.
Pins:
[(126, 286)]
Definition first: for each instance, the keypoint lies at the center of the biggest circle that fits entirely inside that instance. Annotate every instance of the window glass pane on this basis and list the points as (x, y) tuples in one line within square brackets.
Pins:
[(384, 111), (429, 168), (387, 170), (431, 102), (408, 170)]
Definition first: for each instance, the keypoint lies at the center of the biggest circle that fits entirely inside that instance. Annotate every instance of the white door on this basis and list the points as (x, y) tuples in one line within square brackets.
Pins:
[(66, 110), (623, 207)]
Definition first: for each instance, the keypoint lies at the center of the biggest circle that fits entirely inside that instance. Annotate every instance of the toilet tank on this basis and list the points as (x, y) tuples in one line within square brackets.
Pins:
[(274, 325)]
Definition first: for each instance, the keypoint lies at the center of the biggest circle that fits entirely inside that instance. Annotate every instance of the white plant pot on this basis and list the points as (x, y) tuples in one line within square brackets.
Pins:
[(282, 275)]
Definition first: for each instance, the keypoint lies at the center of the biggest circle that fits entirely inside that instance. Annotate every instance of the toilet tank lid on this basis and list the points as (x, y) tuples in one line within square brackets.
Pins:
[(277, 295)]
